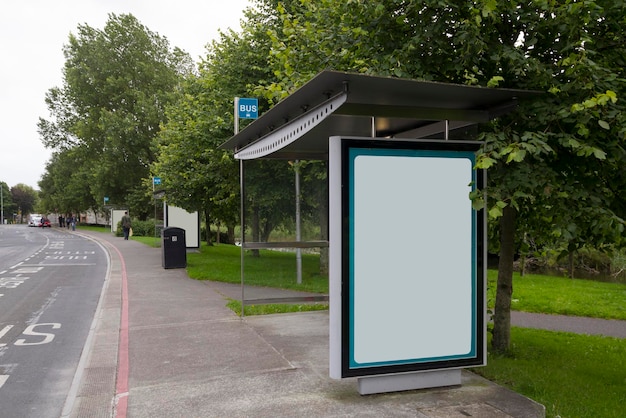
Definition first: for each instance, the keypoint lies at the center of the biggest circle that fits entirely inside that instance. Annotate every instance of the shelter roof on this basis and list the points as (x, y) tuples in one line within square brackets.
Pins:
[(348, 104)]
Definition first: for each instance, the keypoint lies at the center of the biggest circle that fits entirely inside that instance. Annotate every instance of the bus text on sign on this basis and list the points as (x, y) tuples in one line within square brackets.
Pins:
[(248, 108)]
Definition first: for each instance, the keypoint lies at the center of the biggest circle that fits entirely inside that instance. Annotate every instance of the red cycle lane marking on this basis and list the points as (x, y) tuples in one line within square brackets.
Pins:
[(121, 389)]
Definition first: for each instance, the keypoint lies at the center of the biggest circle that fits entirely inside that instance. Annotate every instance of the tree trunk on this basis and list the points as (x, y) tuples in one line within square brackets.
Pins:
[(266, 231), (231, 233), (571, 264), (207, 222), (256, 230), (504, 290)]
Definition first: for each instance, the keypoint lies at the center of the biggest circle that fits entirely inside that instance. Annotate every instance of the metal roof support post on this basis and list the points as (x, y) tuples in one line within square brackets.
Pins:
[(235, 114), (243, 232), (298, 227), (447, 131)]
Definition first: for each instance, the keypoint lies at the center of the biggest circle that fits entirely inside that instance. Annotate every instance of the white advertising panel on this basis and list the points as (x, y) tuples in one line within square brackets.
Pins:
[(189, 221), (116, 217), (407, 254)]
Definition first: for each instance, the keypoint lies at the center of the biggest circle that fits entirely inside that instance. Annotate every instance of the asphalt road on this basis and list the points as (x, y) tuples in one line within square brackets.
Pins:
[(50, 286)]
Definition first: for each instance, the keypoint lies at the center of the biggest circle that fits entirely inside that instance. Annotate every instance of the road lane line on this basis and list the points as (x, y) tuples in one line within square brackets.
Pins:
[(47, 303), (59, 264), (4, 331), (3, 379)]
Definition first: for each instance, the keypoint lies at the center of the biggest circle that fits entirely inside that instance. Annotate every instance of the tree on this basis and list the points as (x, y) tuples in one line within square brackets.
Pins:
[(116, 84), (8, 207), (66, 184), (196, 174), (538, 157), (24, 197)]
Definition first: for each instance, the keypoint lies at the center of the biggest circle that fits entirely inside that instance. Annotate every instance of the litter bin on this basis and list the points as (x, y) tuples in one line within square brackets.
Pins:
[(174, 248)]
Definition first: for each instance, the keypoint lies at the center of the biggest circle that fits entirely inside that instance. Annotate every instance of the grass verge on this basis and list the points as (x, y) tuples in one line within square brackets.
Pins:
[(249, 310), (571, 375), (560, 295), (272, 269), (149, 241)]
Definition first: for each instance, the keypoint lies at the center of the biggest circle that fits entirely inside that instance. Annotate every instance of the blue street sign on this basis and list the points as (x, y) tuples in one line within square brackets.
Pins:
[(248, 108), (106, 199), (156, 181)]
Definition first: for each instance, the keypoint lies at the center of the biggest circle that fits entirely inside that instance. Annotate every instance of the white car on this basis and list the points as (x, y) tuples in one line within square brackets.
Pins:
[(34, 220)]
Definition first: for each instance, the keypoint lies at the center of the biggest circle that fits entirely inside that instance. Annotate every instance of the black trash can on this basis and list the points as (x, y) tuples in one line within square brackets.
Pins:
[(174, 248)]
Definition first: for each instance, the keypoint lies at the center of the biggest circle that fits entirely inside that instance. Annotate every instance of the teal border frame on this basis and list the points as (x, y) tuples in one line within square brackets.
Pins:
[(353, 148)]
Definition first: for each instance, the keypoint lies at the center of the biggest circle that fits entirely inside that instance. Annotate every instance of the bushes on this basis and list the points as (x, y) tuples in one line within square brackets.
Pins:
[(140, 228)]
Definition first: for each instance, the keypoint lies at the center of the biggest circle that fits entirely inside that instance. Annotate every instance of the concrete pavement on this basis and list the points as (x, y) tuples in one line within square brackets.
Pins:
[(164, 345)]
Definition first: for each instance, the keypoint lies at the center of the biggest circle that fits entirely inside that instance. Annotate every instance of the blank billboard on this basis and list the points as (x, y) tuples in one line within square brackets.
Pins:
[(408, 253)]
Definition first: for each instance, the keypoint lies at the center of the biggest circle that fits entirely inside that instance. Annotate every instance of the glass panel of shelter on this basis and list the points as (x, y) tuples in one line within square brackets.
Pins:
[(285, 246)]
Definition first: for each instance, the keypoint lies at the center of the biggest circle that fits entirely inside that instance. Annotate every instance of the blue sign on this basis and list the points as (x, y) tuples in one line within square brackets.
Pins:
[(156, 181), (106, 199), (248, 108)]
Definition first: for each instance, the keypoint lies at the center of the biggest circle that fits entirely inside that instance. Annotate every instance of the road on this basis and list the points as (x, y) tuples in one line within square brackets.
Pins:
[(50, 286)]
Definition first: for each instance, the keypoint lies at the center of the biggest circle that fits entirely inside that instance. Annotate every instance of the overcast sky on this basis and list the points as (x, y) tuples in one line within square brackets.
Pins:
[(32, 35)]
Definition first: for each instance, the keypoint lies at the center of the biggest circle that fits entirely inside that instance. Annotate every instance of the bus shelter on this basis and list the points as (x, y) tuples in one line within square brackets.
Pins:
[(407, 272)]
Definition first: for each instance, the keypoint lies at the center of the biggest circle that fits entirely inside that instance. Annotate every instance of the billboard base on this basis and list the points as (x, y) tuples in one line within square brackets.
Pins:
[(408, 381)]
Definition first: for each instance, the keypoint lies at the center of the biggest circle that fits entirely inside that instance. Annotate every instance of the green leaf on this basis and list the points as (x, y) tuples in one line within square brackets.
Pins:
[(590, 103), (604, 124), (599, 154), (495, 212), (495, 81), (612, 95), (554, 90), (478, 204), (517, 156), (485, 162)]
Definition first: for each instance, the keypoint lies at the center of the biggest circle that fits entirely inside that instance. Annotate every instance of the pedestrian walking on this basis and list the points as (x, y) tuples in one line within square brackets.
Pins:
[(126, 225)]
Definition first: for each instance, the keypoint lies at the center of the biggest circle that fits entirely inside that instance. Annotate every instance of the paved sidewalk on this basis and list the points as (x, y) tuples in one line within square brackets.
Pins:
[(190, 356), (578, 325)]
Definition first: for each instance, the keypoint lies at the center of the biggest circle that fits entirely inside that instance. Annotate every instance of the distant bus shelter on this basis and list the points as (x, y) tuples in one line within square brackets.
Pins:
[(407, 274)]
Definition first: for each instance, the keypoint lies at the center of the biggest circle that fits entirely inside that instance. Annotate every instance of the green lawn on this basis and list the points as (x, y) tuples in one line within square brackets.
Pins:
[(573, 376), (150, 241), (531, 293), (560, 295), (272, 269)]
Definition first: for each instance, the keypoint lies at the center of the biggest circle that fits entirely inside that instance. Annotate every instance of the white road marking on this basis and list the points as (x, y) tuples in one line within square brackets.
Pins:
[(62, 264), (31, 331), (3, 379), (28, 270), (49, 301), (3, 332)]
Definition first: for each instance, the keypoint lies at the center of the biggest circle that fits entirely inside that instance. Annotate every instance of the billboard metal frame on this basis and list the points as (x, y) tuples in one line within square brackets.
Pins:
[(366, 322)]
